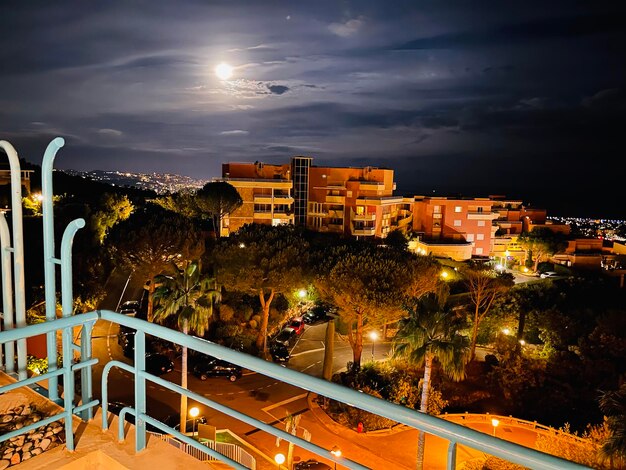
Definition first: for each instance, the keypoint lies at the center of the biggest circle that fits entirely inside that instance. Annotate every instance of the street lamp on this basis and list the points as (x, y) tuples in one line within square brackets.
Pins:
[(336, 451), (193, 412), (494, 423), (242, 245), (302, 293), (373, 337), (444, 274), (506, 331), (279, 459)]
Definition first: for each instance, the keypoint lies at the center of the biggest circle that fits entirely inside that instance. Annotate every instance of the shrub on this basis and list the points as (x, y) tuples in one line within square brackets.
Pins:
[(226, 313), (253, 324), (256, 318)]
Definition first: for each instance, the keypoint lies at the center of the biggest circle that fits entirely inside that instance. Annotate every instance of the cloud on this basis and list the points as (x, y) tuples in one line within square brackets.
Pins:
[(235, 132), (110, 132), (278, 89), (348, 28), (516, 33)]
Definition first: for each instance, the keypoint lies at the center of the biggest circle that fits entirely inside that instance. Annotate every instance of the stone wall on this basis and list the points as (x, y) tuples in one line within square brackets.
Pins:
[(23, 447)]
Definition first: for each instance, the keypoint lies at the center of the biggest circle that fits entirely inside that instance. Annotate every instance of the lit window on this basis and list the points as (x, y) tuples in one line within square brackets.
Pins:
[(457, 223), (479, 251), (437, 209), (480, 236), (470, 237), (360, 210), (481, 223), (458, 209)]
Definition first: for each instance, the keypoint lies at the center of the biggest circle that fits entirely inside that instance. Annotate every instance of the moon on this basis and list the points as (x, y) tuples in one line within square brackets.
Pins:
[(224, 71)]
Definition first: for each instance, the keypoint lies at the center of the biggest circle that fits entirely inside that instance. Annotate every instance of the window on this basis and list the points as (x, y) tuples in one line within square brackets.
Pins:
[(457, 223), (436, 209), (360, 210), (458, 209), (479, 209), (470, 237), (481, 223), (479, 251), (480, 236)]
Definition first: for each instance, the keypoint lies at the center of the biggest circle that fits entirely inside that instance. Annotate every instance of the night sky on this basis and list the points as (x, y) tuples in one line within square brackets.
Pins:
[(526, 98)]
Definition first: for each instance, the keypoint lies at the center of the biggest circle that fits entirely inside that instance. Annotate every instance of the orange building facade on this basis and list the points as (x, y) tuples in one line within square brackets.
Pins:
[(458, 228), (360, 202)]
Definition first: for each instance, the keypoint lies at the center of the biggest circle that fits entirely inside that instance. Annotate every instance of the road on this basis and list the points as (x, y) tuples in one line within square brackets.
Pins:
[(265, 398)]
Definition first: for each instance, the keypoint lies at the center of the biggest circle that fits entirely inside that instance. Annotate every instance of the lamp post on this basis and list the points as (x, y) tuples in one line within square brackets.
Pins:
[(494, 423), (279, 459), (373, 337), (193, 412), (336, 451)]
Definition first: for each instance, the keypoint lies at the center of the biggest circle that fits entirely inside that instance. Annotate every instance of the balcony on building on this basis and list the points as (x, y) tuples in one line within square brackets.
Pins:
[(364, 231), (482, 215), (333, 199)]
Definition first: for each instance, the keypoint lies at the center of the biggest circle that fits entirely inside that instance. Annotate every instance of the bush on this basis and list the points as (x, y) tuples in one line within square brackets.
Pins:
[(245, 311), (226, 313), (256, 318), (253, 324)]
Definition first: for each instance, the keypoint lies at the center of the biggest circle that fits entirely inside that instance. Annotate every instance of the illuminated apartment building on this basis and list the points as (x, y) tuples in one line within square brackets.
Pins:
[(454, 228), (266, 193), (355, 201)]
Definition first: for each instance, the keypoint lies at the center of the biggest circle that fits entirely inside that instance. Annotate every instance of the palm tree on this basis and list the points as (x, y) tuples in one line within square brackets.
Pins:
[(430, 333), (189, 296), (613, 405)]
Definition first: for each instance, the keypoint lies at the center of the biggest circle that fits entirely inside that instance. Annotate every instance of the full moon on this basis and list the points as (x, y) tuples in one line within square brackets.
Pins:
[(224, 71)]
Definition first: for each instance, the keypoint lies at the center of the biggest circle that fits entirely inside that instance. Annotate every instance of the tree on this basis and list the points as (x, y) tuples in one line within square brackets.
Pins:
[(429, 333), (264, 260), (613, 405), (114, 208), (150, 240), (182, 202), (217, 200), (540, 243), (187, 295), (485, 287), (368, 285)]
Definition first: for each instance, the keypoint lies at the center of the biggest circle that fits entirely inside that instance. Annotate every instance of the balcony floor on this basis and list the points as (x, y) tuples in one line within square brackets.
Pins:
[(96, 449)]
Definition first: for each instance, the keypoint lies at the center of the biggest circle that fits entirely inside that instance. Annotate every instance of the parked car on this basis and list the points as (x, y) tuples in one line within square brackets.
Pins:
[(297, 324), (548, 274), (217, 368), (286, 337), (316, 314), (158, 364), (311, 464), (131, 305), (279, 352)]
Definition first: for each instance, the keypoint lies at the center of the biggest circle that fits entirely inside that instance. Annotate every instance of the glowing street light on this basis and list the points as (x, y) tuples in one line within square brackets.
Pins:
[(193, 412), (506, 331), (336, 451), (444, 274), (302, 293), (494, 423), (522, 342), (242, 245), (279, 459), (373, 336)]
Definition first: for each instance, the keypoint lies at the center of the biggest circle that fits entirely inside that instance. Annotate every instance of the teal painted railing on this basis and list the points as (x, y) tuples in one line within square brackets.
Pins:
[(16, 332)]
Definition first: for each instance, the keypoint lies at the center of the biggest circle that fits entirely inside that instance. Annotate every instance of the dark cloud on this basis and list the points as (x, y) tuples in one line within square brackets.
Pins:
[(515, 33), (278, 89)]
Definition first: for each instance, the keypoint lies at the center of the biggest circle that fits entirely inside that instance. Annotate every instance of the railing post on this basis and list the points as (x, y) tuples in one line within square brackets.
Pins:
[(7, 292), (18, 253), (68, 386), (140, 390), (86, 376), (49, 264), (451, 465)]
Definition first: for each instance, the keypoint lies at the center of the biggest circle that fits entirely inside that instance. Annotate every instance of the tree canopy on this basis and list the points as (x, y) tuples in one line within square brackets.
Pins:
[(264, 260), (370, 285), (151, 239), (540, 243)]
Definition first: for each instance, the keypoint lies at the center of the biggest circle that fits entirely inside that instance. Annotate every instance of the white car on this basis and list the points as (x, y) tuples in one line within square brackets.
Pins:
[(548, 274)]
